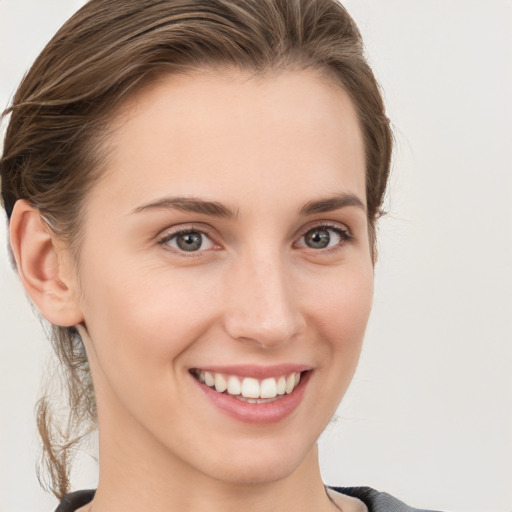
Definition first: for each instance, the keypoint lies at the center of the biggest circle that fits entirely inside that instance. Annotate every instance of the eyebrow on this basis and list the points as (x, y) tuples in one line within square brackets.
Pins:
[(190, 205), (216, 209), (332, 203)]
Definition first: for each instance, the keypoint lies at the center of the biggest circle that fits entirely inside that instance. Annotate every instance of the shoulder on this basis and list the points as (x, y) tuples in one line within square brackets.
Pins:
[(73, 501), (377, 501)]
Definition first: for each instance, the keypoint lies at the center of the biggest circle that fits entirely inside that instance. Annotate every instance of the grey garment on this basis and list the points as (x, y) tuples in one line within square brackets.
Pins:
[(375, 501)]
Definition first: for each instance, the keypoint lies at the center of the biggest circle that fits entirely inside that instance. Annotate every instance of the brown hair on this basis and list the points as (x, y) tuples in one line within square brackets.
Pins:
[(109, 48)]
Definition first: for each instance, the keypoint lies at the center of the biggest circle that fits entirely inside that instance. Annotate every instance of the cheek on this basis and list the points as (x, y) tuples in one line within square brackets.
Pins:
[(140, 323), (143, 319), (342, 306), (339, 313)]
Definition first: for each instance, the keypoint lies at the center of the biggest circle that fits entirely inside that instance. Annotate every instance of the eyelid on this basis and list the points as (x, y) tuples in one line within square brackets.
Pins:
[(325, 224), (338, 227), (170, 233)]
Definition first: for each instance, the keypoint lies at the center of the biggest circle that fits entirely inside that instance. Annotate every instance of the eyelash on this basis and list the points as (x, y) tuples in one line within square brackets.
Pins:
[(343, 233), (165, 239)]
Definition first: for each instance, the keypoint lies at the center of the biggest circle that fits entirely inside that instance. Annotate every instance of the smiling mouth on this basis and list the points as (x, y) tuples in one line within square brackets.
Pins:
[(249, 389)]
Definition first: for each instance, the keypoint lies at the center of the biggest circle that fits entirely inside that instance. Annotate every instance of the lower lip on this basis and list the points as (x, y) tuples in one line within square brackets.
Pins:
[(264, 413)]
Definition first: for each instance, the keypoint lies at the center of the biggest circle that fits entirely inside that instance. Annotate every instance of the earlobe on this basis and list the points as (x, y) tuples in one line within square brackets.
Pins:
[(45, 267)]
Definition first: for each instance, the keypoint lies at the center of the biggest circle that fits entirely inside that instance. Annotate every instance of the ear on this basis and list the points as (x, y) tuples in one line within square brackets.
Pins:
[(45, 266)]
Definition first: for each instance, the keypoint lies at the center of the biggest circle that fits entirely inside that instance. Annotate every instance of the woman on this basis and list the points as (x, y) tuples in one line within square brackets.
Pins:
[(192, 190)]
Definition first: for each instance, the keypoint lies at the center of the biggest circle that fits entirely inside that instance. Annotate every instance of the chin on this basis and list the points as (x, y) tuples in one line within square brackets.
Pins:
[(247, 474), (260, 465)]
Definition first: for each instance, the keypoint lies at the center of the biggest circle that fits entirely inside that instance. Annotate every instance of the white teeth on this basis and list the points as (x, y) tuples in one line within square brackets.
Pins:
[(268, 388), (220, 383), (234, 386), (290, 383), (209, 379), (281, 386), (250, 388)]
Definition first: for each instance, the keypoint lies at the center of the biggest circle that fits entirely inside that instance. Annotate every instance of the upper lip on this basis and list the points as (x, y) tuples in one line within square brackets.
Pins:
[(255, 371)]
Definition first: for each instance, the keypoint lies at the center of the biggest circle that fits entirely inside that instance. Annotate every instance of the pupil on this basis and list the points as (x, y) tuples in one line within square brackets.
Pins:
[(189, 241), (318, 239)]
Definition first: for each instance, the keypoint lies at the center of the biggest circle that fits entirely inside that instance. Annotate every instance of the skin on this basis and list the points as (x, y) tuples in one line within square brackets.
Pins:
[(255, 293)]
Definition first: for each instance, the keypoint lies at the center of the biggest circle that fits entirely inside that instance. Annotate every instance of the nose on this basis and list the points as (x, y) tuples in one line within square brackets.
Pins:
[(262, 302)]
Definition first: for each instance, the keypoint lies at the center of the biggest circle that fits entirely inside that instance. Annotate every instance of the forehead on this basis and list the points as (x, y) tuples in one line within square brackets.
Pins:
[(235, 133)]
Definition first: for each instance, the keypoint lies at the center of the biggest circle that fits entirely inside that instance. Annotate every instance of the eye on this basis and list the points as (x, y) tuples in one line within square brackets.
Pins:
[(324, 237), (188, 241)]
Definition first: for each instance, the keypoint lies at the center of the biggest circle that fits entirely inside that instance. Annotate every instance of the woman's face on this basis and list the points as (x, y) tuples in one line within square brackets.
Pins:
[(227, 242)]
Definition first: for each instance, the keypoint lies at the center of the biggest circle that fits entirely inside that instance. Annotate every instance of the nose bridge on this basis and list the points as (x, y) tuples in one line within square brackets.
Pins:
[(262, 304)]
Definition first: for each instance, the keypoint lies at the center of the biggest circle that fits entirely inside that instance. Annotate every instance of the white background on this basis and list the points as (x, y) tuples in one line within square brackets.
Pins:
[(429, 414)]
